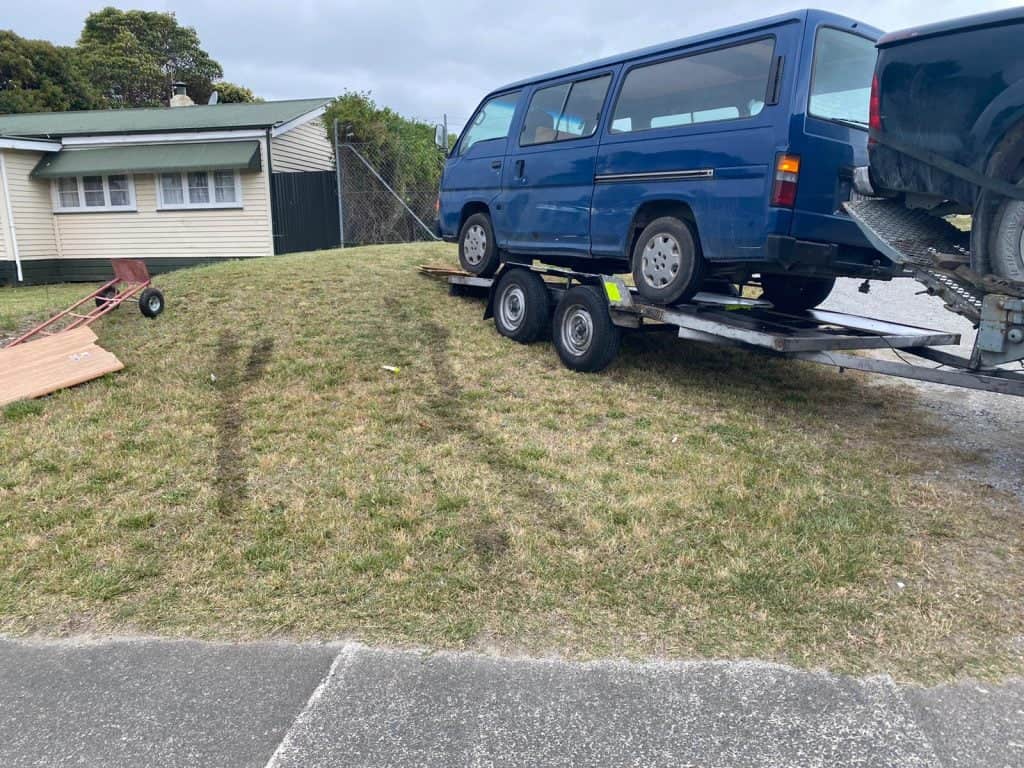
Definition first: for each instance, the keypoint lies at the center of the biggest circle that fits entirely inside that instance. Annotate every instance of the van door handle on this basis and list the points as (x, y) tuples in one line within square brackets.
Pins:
[(520, 167), (496, 165)]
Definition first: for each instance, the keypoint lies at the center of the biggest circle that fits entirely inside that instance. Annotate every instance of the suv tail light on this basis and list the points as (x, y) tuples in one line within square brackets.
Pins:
[(874, 109), (787, 171)]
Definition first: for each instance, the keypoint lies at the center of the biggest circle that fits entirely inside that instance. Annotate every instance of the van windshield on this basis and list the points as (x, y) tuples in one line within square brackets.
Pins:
[(841, 79)]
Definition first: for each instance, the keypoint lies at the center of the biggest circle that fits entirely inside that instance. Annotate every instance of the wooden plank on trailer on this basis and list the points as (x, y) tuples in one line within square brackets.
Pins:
[(40, 367)]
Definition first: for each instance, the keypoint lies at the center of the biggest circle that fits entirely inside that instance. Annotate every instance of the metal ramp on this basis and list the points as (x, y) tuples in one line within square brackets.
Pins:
[(937, 255)]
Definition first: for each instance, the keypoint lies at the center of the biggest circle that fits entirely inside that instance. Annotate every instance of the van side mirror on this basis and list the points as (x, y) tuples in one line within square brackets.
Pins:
[(441, 137)]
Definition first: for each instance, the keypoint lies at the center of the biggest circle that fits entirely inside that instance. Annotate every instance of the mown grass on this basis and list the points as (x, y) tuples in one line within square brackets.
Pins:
[(255, 471), (20, 307)]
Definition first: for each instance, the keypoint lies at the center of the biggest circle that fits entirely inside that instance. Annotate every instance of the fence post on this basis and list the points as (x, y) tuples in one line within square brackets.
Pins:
[(337, 177)]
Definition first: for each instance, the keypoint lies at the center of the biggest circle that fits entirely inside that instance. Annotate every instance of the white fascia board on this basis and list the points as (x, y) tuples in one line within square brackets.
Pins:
[(30, 144), (296, 122), (161, 138)]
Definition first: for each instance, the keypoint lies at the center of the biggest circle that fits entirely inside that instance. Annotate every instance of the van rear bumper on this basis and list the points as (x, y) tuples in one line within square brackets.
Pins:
[(810, 257)]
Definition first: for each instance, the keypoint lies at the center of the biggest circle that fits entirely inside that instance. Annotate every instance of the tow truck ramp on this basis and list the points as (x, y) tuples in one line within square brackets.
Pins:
[(817, 336)]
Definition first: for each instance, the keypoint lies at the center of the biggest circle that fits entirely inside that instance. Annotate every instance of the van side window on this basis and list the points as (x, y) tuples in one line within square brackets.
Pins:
[(565, 111), (492, 121), (725, 84)]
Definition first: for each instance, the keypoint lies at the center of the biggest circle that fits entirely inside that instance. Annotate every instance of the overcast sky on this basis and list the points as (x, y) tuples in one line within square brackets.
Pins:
[(428, 58)]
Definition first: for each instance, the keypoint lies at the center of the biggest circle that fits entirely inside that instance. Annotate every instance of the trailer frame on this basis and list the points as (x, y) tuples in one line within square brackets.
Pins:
[(816, 336)]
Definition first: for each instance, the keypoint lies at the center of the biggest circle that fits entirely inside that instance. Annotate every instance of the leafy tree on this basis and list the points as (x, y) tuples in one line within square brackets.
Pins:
[(229, 93), (133, 57), (37, 76)]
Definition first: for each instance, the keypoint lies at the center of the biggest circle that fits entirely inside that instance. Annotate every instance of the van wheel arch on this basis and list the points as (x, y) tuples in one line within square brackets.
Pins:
[(1004, 162), (471, 208), (655, 209)]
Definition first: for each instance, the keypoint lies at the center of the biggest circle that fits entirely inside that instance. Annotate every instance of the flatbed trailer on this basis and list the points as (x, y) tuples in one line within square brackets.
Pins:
[(587, 313)]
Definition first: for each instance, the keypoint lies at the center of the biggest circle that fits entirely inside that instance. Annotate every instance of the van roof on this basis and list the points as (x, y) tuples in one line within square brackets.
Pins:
[(807, 14)]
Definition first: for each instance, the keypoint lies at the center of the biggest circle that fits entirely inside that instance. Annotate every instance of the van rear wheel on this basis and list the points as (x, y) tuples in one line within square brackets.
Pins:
[(795, 293), (667, 264), (478, 253)]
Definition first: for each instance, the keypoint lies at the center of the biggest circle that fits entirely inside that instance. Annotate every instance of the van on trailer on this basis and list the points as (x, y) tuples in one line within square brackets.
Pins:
[(720, 158)]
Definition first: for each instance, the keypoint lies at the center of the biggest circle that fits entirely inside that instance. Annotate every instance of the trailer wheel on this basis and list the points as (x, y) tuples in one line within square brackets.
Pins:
[(104, 296), (522, 308), (478, 253), (795, 293), (584, 335), (151, 302)]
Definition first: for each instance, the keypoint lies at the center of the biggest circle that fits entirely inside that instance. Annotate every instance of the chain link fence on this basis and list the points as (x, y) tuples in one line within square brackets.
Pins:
[(389, 191)]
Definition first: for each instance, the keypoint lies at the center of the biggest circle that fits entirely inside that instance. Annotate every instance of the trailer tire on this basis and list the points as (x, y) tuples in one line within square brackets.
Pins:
[(151, 302), (103, 297), (585, 337), (1007, 254), (522, 307), (796, 293), (668, 266), (478, 252)]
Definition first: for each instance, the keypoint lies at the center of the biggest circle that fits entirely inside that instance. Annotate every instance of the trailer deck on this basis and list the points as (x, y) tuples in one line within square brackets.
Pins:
[(817, 336)]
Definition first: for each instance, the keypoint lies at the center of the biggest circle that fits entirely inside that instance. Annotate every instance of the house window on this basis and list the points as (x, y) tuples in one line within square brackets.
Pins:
[(200, 189), (94, 193)]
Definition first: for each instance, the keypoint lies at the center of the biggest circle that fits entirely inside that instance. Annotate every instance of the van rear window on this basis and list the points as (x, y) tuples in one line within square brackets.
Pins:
[(724, 84), (844, 64)]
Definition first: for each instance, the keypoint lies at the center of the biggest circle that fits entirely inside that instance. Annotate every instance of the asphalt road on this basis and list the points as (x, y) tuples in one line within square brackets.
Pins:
[(990, 425), (184, 703)]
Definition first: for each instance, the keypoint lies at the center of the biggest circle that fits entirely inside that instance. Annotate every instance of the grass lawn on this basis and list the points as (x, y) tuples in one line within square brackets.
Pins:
[(255, 471)]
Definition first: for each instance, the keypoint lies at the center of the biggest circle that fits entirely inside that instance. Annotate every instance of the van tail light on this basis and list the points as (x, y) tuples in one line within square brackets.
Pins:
[(437, 207), (787, 171), (874, 110)]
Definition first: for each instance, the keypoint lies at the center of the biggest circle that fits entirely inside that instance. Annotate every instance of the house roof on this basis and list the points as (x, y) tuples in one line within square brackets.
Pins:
[(155, 158), (267, 114)]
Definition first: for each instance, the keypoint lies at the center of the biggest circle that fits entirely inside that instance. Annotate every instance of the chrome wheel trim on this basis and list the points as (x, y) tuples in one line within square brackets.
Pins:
[(154, 303), (577, 330), (661, 260), (474, 244), (512, 307)]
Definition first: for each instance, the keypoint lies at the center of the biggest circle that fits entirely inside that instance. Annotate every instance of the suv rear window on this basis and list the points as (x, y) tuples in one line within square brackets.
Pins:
[(841, 78), (724, 84)]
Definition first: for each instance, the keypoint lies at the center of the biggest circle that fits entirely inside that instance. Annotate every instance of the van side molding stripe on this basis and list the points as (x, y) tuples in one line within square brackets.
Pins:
[(700, 173)]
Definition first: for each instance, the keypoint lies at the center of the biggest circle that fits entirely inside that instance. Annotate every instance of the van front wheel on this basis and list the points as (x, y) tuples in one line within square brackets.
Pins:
[(478, 253), (667, 264)]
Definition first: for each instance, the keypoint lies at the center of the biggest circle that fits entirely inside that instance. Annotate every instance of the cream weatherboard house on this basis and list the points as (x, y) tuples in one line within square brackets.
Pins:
[(175, 186)]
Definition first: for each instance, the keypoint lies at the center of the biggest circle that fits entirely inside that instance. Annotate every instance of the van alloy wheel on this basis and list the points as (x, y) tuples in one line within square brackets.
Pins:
[(475, 244), (661, 260)]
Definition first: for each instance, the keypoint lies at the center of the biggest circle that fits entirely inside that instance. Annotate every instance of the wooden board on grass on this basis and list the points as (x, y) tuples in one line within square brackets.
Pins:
[(39, 367)]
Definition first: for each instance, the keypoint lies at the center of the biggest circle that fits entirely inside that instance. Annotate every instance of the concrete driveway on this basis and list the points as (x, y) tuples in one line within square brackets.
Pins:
[(183, 703)]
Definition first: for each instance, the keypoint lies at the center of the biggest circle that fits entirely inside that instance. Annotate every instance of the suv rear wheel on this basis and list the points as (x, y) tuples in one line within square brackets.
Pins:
[(667, 264)]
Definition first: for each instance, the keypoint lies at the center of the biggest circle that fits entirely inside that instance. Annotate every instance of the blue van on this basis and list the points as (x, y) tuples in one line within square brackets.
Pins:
[(718, 159)]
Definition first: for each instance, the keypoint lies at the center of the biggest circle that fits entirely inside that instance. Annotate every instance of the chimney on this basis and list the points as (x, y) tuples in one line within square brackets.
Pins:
[(180, 97)]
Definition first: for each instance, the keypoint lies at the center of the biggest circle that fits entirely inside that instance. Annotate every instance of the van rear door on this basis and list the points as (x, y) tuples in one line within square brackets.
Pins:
[(548, 180), (832, 138)]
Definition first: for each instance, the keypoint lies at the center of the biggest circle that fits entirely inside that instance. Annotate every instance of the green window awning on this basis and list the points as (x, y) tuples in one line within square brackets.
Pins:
[(153, 158)]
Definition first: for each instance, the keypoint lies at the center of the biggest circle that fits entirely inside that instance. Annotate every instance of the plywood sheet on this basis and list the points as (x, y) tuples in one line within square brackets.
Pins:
[(39, 367)]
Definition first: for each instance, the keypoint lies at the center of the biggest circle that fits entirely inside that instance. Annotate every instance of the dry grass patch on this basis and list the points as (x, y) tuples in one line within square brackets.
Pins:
[(255, 472)]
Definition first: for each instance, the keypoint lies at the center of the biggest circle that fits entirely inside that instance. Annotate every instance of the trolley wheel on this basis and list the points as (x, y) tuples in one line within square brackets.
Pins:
[(151, 302), (104, 296), (585, 336), (522, 308)]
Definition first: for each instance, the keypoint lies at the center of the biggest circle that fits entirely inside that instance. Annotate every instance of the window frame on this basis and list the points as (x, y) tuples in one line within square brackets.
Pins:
[(610, 74), (211, 185), (107, 207), (624, 77), (459, 150), (810, 83)]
